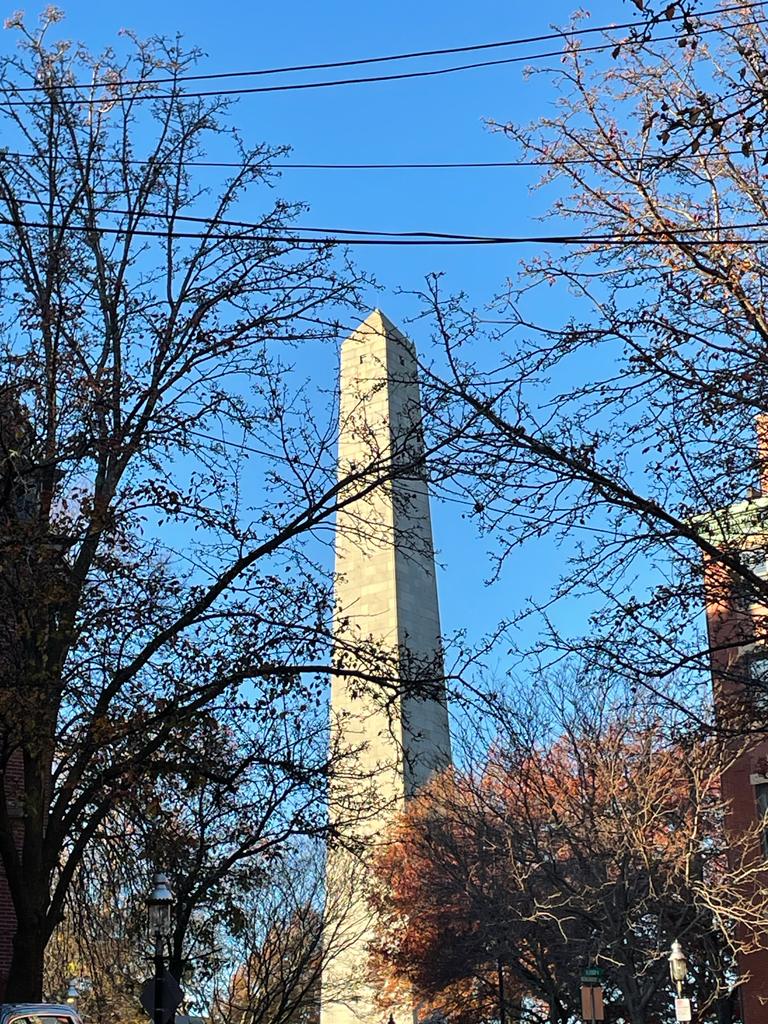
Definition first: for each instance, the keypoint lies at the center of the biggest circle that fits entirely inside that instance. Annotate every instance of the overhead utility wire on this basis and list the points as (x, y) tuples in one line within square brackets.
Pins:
[(401, 76), (410, 55), (457, 164), (249, 225), (424, 238), (291, 165), (647, 158)]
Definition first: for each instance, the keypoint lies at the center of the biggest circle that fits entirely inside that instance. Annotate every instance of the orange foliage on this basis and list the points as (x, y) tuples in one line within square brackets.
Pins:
[(597, 849)]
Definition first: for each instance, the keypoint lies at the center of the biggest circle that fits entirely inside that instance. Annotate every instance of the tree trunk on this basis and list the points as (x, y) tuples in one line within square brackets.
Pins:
[(25, 979), (727, 1007), (30, 882)]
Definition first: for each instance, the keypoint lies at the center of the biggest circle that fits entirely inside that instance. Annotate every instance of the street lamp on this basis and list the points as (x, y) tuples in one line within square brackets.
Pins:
[(73, 994), (678, 967), (160, 911), (160, 924)]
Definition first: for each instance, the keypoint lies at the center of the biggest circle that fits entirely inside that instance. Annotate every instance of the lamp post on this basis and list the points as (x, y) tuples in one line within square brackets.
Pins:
[(500, 985), (678, 967), (159, 920), (73, 994)]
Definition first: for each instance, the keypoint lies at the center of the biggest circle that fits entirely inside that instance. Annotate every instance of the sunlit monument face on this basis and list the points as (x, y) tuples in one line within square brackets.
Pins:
[(386, 597)]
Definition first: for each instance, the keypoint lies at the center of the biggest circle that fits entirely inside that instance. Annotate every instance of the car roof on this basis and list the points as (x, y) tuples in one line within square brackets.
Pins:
[(38, 1010)]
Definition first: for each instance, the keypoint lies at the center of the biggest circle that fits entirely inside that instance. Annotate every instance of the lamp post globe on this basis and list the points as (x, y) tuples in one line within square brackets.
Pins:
[(678, 967), (73, 994), (160, 909)]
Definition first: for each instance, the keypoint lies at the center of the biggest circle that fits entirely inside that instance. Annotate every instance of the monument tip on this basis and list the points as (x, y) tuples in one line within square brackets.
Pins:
[(378, 323)]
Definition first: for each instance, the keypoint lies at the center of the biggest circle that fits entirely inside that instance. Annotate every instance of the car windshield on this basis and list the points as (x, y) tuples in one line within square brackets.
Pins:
[(39, 1018)]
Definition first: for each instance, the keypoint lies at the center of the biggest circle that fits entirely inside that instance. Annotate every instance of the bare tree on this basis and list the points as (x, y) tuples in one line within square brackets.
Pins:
[(290, 931), (217, 820), (167, 483), (255, 948), (623, 421)]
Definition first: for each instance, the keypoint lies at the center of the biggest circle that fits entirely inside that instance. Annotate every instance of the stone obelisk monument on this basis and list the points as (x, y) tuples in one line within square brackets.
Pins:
[(386, 602)]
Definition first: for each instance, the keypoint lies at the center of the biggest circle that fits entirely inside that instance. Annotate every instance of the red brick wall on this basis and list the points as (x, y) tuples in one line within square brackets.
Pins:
[(731, 629)]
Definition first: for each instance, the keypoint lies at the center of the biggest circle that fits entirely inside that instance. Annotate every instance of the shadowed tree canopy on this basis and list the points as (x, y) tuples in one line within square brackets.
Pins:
[(254, 948), (167, 484)]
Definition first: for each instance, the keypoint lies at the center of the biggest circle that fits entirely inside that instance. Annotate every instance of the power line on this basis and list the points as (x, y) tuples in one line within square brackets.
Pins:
[(409, 55), (294, 86), (461, 164), (400, 76), (647, 158), (291, 165), (415, 238), (246, 225)]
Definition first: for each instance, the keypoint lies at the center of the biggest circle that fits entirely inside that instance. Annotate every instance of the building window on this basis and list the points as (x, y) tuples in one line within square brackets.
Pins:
[(757, 679), (745, 594), (758, 669), (761, 800)]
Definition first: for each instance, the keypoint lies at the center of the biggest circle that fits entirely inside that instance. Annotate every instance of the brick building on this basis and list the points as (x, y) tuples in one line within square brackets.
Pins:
[(737, 623)]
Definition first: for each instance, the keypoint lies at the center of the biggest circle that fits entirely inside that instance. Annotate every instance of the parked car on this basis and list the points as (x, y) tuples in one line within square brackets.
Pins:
[(38, 1013)]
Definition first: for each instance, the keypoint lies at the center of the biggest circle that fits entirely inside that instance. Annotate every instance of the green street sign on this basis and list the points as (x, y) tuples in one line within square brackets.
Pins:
[(592, 974)]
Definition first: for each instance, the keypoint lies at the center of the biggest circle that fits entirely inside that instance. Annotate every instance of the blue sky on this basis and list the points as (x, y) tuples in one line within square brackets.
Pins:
[(435, 119), (438, 119)]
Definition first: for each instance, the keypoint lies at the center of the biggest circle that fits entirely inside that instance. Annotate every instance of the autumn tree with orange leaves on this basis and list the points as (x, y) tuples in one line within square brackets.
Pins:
[(503, 882)]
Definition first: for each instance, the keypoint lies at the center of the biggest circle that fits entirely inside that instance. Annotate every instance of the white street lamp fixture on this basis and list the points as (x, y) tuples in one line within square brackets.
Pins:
[(160, 909), (678, 965), (678, 971)]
